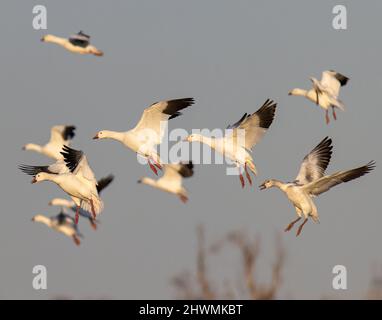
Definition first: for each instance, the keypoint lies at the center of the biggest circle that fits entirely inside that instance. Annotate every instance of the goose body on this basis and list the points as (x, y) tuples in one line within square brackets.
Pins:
[(70, 204), (311, 182), (78, 43), (325, 92), (246, 133), (61, 223), (171, 181), (150, 130), (74, 176), (60, 135)]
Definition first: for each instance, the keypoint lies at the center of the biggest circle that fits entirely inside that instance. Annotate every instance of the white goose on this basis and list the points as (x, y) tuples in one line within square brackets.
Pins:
[(325, 92), (246, 133), (311, 182), (74, 176), (70, 204), (59, 136), (77, 43), (149, 131), (171, 181), (62, 223)]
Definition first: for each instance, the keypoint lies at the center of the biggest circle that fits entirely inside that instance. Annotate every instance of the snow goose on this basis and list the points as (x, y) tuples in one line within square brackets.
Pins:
[(246, 133), (59, 135), (77, 43), (70, 204), (325, 92), (74, 176), (61, 223), (149, 131), (171, 181), (311, 182)]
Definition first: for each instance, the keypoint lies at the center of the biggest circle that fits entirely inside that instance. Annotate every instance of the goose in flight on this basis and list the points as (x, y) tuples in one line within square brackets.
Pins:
[(62, 223), (74, 176), (244, 135), (59, 136), (77, 43), (325, 93), (70, 204), (311, 181), (150, 130), (171, 181)]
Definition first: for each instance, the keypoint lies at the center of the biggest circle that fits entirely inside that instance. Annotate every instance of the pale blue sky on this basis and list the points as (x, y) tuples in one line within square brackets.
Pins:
[(230, 56)]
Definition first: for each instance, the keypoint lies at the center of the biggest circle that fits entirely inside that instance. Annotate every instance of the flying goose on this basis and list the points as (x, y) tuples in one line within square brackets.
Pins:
[(77, 43), (325, 93), (74, 176), (70, 204), (59, 135), (246, 133), (311, 182), (61, 223), (171, 181), (149, 131)]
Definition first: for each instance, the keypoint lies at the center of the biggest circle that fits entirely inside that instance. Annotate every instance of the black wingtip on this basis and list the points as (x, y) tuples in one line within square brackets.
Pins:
[(186, 169), (266, 113)]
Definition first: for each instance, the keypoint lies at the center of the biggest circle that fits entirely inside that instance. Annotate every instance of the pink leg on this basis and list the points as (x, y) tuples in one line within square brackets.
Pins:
[(247, 174), (334, 114), (93, 211), (242, 180), (300, 227), (290, 226), (76, 240), (327, 117), (183, 198), (77, 217), (152, 167), (93, 224), (157, 165)]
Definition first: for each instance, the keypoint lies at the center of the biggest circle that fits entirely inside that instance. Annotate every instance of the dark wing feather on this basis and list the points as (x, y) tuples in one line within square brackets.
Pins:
[(68, 132), (236, 124), (173, 106), (71, 157), (80, 39), (104, 182), (186, 169), (33, 170), (341, 78)]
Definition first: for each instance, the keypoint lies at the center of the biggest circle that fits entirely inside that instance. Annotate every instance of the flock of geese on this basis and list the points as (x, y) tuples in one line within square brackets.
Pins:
[(72, 173)]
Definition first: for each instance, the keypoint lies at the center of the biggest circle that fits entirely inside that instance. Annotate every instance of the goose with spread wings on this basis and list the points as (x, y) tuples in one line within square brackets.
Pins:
[(62, 223), (77, 43), (74, 176), (311, 181), (171, 181), (241, 138), (70, 204), (150, 130), (325, 93), (60, 135)]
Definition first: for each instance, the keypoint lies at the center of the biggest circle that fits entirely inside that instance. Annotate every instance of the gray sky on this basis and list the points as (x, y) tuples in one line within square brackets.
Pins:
[(230, 56)]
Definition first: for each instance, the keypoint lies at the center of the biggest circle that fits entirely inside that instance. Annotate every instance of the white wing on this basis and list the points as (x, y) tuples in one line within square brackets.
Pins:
[(154, 119), (332, 81), (255, 125), (61, 134), (315, 163), (173, 173), (324, 184), (78, 164)]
